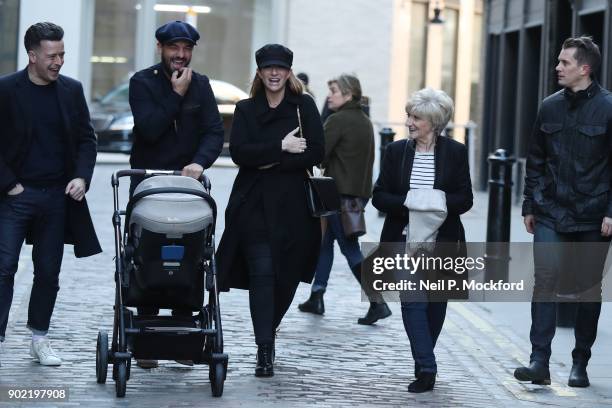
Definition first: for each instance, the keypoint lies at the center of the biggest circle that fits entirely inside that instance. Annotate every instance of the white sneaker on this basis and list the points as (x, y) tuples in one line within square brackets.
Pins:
[(42, 353)]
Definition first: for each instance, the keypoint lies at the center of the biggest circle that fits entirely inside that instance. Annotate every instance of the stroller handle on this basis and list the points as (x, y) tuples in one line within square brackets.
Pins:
[(144, 172)]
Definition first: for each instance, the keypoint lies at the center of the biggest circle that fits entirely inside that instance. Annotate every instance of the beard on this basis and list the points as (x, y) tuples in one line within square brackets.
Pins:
[(167, 64)]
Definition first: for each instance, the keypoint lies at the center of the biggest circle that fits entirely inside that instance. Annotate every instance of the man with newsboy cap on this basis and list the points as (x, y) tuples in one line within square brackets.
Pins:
[(176, 120)]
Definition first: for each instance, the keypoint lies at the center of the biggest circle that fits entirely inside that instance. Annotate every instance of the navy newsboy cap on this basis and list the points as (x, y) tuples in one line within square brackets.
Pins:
[(274, 54), (177, 31)]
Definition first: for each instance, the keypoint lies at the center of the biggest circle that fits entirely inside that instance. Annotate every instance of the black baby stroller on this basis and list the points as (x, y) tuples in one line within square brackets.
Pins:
[(164, 259)]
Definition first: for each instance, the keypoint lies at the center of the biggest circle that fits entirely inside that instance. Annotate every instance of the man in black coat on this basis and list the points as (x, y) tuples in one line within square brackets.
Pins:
[(46, 164), (176, 120), (568, 203)]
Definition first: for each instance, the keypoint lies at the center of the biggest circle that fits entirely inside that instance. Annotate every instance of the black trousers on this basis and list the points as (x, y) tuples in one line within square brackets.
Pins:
[(269, 294), (41, 212), (562, 256)]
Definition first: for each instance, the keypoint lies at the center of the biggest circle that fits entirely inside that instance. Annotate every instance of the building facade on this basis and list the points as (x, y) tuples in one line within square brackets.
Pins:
[(388, 44), (523, 40), (391, 45)]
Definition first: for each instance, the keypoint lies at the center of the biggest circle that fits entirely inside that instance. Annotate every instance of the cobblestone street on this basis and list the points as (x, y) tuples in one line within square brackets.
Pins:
[(327, 361)]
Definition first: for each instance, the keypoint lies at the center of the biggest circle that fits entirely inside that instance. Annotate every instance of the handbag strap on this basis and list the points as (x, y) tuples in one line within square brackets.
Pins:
[(299, 120), (301, 134)]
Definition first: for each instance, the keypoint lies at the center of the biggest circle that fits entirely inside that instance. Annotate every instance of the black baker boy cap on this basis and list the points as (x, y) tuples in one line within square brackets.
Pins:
[(177, 31), (274, 54)]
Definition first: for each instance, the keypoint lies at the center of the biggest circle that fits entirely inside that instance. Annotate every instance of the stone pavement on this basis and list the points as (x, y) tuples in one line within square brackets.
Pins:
[(327, 361)]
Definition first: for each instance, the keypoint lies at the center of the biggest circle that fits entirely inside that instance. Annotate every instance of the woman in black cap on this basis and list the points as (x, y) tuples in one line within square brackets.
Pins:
[(271, 242)]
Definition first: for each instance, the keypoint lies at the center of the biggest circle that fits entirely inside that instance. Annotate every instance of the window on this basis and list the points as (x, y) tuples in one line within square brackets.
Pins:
[(477, 55), (417, 47), (114, 45), (9, 29), (226, 29), (449, 50)]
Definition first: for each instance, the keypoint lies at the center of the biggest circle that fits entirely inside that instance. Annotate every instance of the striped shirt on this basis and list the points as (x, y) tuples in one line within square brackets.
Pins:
[(423, 171)]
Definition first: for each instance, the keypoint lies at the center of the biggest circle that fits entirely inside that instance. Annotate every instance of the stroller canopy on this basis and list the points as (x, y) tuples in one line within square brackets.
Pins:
[(171, 213)]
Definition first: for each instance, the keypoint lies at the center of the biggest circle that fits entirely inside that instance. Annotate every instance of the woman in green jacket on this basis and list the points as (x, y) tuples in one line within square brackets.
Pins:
[(349, 157)]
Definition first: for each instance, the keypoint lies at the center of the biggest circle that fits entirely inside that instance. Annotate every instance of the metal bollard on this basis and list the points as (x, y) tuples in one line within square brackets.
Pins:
[(497, 255), (386, 137)]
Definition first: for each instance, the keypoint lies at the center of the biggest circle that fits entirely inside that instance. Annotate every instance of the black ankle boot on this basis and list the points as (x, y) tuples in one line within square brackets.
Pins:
[(265, 367), (376, 312), (417, 370), (537, 373), (424, 382), (314, 304), (578, 376)]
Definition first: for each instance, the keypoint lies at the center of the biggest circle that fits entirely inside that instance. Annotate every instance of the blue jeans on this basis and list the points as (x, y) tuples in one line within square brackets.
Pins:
[(349, 247), (423, 323), (551, 262), (39, 212)]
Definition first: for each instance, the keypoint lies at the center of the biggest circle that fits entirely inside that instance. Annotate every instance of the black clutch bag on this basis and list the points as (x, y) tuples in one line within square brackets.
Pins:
[(322, 196)]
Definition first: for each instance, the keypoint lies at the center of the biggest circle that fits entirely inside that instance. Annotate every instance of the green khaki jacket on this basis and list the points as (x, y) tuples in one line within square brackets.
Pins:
[(349, 150)]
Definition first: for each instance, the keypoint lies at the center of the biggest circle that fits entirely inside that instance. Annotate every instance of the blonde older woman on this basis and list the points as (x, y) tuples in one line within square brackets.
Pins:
[(425, 161)]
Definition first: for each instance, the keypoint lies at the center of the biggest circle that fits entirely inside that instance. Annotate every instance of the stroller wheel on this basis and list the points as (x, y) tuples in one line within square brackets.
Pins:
[(101, 357), (121, 381), (216, 374), (128, 370)]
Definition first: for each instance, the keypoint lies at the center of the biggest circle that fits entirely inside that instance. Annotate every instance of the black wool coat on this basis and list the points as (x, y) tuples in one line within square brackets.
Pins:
[(80, 143), (452, 175), (171, 131), (295, 235)]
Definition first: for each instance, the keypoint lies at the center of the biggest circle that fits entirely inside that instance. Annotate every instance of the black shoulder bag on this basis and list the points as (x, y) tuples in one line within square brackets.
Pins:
[(322, 196)]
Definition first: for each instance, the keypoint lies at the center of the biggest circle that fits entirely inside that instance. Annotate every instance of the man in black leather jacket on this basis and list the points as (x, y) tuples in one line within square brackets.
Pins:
[(568, 207)]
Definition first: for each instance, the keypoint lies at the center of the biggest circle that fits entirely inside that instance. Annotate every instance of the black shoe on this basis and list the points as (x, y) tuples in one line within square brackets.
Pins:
[(376, 312), (578, 376), (146, 364), (265, 367), (425, 382), (314, 304), (417, 370), (537, 373)]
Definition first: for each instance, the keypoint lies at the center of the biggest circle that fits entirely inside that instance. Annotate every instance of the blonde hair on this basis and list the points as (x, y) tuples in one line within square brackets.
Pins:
[(432, 105), (295, 85), (348, 85)]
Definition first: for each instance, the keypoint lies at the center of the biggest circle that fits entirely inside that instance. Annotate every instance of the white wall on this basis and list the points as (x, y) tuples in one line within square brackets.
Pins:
[(343, 36)]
